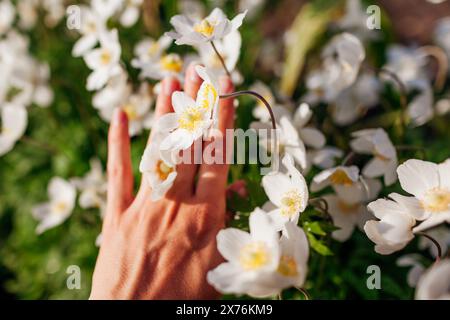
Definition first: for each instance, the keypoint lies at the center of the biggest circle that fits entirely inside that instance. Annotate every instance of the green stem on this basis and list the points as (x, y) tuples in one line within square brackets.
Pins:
[(221, 59)]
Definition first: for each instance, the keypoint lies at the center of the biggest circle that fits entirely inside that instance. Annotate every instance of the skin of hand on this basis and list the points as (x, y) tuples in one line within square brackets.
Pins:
[(162, 249)]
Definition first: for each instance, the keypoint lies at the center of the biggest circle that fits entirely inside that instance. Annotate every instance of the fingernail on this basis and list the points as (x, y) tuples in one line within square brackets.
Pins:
[(119, 117), (169, 85)]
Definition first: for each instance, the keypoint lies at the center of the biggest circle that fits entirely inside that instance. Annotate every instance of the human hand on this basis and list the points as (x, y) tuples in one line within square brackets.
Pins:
[(162, 249)]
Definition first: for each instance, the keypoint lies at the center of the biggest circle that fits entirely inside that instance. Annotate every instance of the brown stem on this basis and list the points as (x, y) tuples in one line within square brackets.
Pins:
[(442, 61), (221, 59), (347, 158), (400, 84), (304, 292), (313, 201), (257, 95), (437, 245)]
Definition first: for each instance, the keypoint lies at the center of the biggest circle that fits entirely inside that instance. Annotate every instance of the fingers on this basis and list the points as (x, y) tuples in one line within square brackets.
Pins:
[(120, 176), (187, 170), (164, 101), (213, 177)]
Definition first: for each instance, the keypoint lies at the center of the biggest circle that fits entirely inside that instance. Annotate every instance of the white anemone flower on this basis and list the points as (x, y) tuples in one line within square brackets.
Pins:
[(377, 143), (30, 81), (54, 12), (106, 8), (193, 9), (167, 65), (130, 14), (50, 214), (342, 59), (93, 187), (7, 15), (325, 157), (138, 110), (346, 216), (13, 126), (435, 283), (393, 231), (149, 50), (104, 61), (407, 63), (191, 119), (345, 181), (355, 21), (251, 258), (429, 183), (287, 139), (229, 48), (137, 106), (260, 112), (43, 94), (420, 109), (442, 106), (158, 169), (417, 268), (354, 102), (213, 27), (311, 136), (113, 95), (287, 192), (92, 26), (27, 12), (293, 265)]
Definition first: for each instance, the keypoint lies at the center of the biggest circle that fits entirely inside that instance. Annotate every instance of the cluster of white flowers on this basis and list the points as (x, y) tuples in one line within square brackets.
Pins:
[(261, 263), (429, 205), (24, 79), (193, 118), (101, 50), (62, 197)]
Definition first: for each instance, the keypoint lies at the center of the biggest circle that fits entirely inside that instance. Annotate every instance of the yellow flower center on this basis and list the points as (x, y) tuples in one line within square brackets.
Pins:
[(191, 118), (153, 48), (347, 208), (291, 202), (436, 200), (91, 27), (340, 177), (130, 110), (163, 170), (254, 255), (105, 57), (204, 27), (205, 92), (287, 266), (171, 62), (379, 155), (60, 207)]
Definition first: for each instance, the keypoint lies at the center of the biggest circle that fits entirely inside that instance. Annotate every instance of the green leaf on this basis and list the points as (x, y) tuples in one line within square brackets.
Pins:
[(318, 245), (314, 227), (308, 26)]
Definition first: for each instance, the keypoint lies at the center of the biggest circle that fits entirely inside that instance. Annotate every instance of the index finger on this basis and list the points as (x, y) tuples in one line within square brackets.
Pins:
[(212, 178)]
